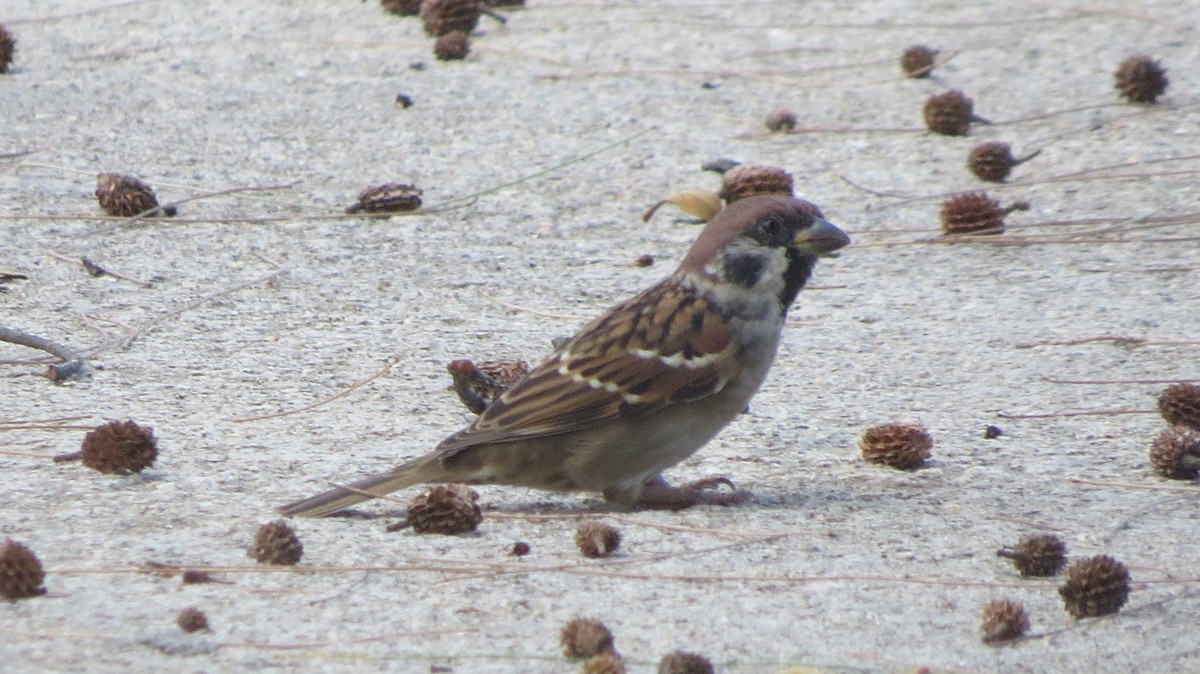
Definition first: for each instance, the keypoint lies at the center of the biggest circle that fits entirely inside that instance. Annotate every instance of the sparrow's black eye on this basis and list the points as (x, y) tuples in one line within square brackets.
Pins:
[(770, 231)]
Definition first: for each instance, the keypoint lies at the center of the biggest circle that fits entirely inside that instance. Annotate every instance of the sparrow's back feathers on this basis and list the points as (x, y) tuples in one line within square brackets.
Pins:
[(662, 347)]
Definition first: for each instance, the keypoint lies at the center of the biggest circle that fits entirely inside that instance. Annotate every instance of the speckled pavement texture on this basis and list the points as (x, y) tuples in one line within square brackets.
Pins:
[(537, 156)]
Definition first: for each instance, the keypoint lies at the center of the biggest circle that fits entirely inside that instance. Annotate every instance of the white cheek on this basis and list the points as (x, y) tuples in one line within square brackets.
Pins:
[(759, 302)]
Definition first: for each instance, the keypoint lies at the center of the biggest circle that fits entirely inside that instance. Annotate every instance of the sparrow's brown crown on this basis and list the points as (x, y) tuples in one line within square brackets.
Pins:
[(797, 223)]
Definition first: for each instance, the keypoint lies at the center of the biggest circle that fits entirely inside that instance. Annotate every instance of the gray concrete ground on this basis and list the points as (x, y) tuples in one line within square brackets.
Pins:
[(834, 565)]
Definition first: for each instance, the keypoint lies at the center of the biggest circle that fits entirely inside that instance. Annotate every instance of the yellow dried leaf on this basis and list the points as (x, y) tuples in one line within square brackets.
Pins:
[(696, 203)]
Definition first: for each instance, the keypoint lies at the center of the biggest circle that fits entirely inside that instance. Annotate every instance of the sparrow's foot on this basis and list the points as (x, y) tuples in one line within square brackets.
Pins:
[(710, 484), (658, 494)]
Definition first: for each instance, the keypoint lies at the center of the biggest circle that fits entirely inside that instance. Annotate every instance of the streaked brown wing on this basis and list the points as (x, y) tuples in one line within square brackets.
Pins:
[(665, 346)]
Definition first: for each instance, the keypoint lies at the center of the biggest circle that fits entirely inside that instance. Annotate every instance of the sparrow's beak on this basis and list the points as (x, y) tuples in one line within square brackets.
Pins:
[(822, 238)]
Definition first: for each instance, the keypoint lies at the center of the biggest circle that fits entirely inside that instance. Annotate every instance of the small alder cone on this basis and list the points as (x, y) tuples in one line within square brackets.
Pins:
[(1179, 404), (749, 181), (21, 574), (682, 662), (446, 16), (1003, 620), (949, 113), (1175, 454), (125, 196), (605, 663), (277, 543), (402, 7), (975, 213), (1141, 79), (917, 61), (445, 509), (120, 447), (1095, 586), (585, 638), (597, 539), (7, 46), (453, 46), (388, 198), (993, 160), (504, 372), (192, 619), (781, 121), (479, 384), (903, 446), (1038, 555)]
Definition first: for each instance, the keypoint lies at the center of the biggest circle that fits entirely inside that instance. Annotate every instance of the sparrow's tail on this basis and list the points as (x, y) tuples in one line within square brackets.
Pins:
[(425, 469)]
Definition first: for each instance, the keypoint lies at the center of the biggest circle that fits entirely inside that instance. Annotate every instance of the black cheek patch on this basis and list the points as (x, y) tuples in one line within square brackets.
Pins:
[(743, 270)]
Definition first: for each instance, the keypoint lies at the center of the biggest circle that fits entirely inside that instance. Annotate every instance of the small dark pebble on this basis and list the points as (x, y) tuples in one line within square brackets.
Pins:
[(720, 165), (192, 577)]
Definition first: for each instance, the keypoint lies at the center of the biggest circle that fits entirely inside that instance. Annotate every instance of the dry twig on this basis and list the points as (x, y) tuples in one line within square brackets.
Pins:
[(535, 312), (70, 15), (548, 170), (96, 270), (1081, 413), (206, 195), (20, 153), (1055, 380), (73, 365), (147, 327), (1118, 340), (25, 455), (382, 371), (52, 420), (1133, 485)]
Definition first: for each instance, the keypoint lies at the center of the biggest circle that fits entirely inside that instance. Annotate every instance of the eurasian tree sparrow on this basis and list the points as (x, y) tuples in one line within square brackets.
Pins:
[(644, 386)]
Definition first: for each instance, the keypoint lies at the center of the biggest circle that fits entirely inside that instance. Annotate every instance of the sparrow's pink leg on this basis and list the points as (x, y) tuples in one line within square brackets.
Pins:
[(658, 494)]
